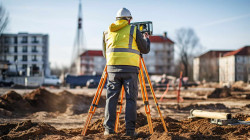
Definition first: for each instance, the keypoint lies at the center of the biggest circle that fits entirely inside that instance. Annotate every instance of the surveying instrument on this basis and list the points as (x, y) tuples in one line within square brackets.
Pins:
[(143, 27)]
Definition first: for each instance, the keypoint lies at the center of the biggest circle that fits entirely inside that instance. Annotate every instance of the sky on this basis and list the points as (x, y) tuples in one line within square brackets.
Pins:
[(219, 24)]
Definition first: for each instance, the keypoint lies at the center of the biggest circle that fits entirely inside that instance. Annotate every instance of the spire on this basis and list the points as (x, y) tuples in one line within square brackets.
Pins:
[(78, 48)]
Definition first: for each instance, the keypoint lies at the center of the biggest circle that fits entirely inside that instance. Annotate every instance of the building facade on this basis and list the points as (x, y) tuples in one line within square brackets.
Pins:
[(206, 66), (92, 62), (235, 66), (26, 53), (160, 59)]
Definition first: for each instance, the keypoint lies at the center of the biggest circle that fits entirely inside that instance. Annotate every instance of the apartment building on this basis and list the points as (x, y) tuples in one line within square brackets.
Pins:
[(25, 53), (160, 59), (206, 66), (92, 62), (235, 66)]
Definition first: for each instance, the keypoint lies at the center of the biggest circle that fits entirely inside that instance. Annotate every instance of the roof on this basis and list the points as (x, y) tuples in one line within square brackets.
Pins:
[(92, 53), (242, 51), (214, 53), (160, 39)]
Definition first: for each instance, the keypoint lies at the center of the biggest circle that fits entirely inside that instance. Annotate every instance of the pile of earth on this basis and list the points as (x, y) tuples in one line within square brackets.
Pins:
[(27, 130), (240, 86), (220, 93), (43, 100), (216, 106), (184, 107), (185, 129)]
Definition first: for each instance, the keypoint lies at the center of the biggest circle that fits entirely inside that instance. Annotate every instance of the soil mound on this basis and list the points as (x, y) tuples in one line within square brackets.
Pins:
[(13, 101), (42, 100), (241, 117), (204, 106), (220, 93), (27, 130), (64, 101), (185, 129)]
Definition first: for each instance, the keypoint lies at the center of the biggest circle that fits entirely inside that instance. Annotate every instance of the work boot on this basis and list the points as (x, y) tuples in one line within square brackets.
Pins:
[(131, 134), (106, 133)]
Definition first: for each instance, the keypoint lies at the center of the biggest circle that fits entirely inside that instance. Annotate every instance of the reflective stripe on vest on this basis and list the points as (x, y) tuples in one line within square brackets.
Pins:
[(122, 50), (131, 37)]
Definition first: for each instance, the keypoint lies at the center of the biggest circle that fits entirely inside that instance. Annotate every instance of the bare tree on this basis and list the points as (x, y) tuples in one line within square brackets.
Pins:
[(3, 24), (4, 18), (188, 44)]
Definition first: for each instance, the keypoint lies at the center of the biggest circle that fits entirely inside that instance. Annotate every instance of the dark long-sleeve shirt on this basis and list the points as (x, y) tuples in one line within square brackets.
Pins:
[(143, 46)]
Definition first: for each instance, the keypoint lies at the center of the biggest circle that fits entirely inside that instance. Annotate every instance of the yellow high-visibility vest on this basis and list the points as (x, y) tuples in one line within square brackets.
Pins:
[(121, 47)]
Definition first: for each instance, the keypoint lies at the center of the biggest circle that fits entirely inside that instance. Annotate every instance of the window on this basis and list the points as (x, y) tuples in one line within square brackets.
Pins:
[(34, 49), (15, 49), (15, 57), (25, 49), (168, 52), (34, 39), (35, 68), (25, 58), (15, 40), (6, 40), (239, 69), (25, 39), (34, 58), (6, 49), (24, 66)]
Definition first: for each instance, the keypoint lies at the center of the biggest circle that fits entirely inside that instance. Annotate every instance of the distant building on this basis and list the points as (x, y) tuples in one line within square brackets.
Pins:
[(92, 62), (235, 65), (26, 53), (160, 59), (206, 66)]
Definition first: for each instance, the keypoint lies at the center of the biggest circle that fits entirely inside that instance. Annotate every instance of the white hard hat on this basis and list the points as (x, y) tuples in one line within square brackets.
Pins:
[(124, 12)]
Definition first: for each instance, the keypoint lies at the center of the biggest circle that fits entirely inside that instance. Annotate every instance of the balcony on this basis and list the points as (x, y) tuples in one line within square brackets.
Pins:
[(34, 51), (24, 41), (35, 41)]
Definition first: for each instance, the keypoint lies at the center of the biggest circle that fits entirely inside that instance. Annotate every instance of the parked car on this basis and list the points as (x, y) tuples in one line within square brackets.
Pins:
[(73, 81), (51, 81), (6, 83)]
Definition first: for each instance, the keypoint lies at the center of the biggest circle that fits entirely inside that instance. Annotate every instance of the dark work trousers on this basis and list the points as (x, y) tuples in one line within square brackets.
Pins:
[(115, 81)]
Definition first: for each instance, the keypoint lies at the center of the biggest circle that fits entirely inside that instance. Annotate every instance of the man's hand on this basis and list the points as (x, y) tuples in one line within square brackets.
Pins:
[(146, 35)]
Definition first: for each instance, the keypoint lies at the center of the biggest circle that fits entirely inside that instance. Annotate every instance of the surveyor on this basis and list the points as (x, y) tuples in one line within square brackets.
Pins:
[(122, 46)]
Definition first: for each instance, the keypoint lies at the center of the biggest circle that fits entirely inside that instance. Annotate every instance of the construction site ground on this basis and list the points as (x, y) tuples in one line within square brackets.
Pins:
[(48, 113)]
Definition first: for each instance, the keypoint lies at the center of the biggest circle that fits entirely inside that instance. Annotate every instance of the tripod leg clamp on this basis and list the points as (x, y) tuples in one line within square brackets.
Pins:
[(119, 103), (146, 103), (94, 105)]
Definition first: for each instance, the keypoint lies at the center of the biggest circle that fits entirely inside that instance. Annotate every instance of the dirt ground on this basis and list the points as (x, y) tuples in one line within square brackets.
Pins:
[(45, 114)]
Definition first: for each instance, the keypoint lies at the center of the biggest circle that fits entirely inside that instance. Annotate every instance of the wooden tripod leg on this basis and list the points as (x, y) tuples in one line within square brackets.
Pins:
[(95, 100), (153, 93), (145, 99), (118, 112)]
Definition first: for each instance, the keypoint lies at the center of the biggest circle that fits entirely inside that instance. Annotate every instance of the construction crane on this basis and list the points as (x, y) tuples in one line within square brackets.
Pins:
[(78, 47)]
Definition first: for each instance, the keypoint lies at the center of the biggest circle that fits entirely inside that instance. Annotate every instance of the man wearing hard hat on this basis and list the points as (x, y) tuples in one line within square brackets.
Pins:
[(122, 46)]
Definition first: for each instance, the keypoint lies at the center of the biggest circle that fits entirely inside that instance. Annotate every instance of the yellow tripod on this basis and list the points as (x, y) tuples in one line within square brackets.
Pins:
[(97, 96)]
